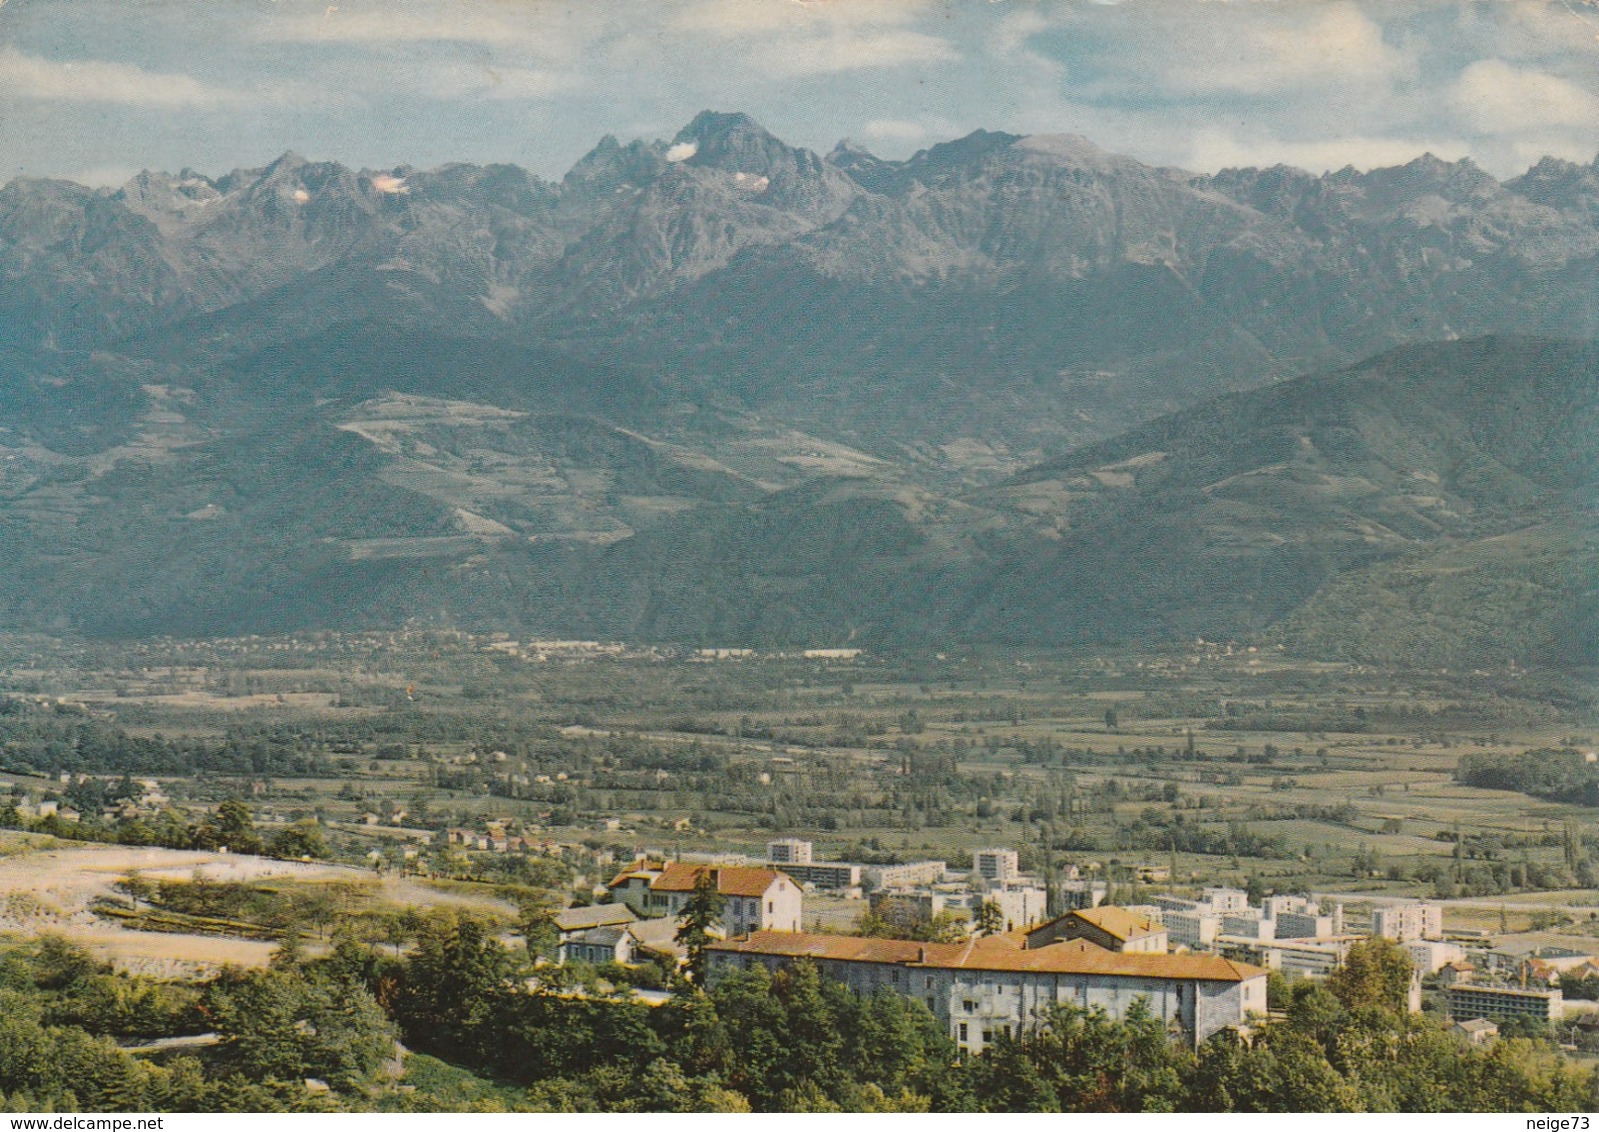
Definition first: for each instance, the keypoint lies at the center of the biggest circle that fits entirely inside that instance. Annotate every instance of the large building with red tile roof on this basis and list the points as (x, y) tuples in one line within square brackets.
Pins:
[(1008, 983), (754, 899)]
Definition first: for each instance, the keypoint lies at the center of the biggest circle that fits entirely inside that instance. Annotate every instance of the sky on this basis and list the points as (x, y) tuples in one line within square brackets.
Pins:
[(95, 90)]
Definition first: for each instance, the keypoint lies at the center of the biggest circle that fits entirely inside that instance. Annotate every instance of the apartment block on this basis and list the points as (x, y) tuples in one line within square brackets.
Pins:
[(1403, 922), (1472, 1000), (996, 864), (789, 851)]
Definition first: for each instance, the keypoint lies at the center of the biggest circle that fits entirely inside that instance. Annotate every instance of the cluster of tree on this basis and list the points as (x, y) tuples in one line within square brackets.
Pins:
[(518, 869), (256, 1037), (168, 829), (1158, 830), (1558, 774), (1346, 1045), (64, 737), (1339, 813), (1585, 987), (1253, 717), (230, 826), (1455, 879), (1520, 705), (903, 920)]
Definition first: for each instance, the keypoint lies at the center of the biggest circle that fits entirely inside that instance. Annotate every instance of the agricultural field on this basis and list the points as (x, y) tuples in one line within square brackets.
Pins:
[(1228, 764)]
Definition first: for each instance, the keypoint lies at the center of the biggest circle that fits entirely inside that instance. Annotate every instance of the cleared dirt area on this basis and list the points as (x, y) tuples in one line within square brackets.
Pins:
[(53, 889)]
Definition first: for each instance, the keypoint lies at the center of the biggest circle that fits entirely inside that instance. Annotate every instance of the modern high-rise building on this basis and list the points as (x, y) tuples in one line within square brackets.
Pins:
[(1403, 922), (1020, 905), (1470, 1000), (789, 851), (1225, 900), (996, 864)]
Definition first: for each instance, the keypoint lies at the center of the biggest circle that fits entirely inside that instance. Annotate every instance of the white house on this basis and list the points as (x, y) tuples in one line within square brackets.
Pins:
[(754, 899)]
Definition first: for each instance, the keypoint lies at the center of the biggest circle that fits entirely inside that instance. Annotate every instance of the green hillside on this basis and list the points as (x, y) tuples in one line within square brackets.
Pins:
[(1430, 506)]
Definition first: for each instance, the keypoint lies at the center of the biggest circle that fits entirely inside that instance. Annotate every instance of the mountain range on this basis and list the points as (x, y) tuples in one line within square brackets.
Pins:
[(724, 390)]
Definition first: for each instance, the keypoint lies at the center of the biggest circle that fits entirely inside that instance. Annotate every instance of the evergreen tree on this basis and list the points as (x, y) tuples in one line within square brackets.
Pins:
[(452, 985), (702, 915), (989, 919), (284, 1025)]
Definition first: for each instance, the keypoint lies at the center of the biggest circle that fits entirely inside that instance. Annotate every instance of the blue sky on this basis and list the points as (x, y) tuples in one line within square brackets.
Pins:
[(95, 90)]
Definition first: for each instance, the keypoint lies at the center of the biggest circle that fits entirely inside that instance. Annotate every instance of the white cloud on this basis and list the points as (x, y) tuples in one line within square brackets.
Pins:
[(836, 52), (103, 176), (500, 51), (1496, 98), (736, 19), (899, 130), (1016, 28), (1034, 74), (92, 80), (1507, 156), (795, 38), (682, 151), (534, 26), (1530, 31), (1303, 47)]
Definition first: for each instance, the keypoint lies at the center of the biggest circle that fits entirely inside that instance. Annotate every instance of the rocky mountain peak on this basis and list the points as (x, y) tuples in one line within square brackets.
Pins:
[(1560, 184), (952, 157), (1429, 175), (735, 143), (864, 167), (289, 162), (1275, 191), (168, 201), (610, 165), (847, 150)]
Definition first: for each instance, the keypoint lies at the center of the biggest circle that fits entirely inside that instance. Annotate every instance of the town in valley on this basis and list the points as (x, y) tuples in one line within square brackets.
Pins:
[(1191, 842)]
